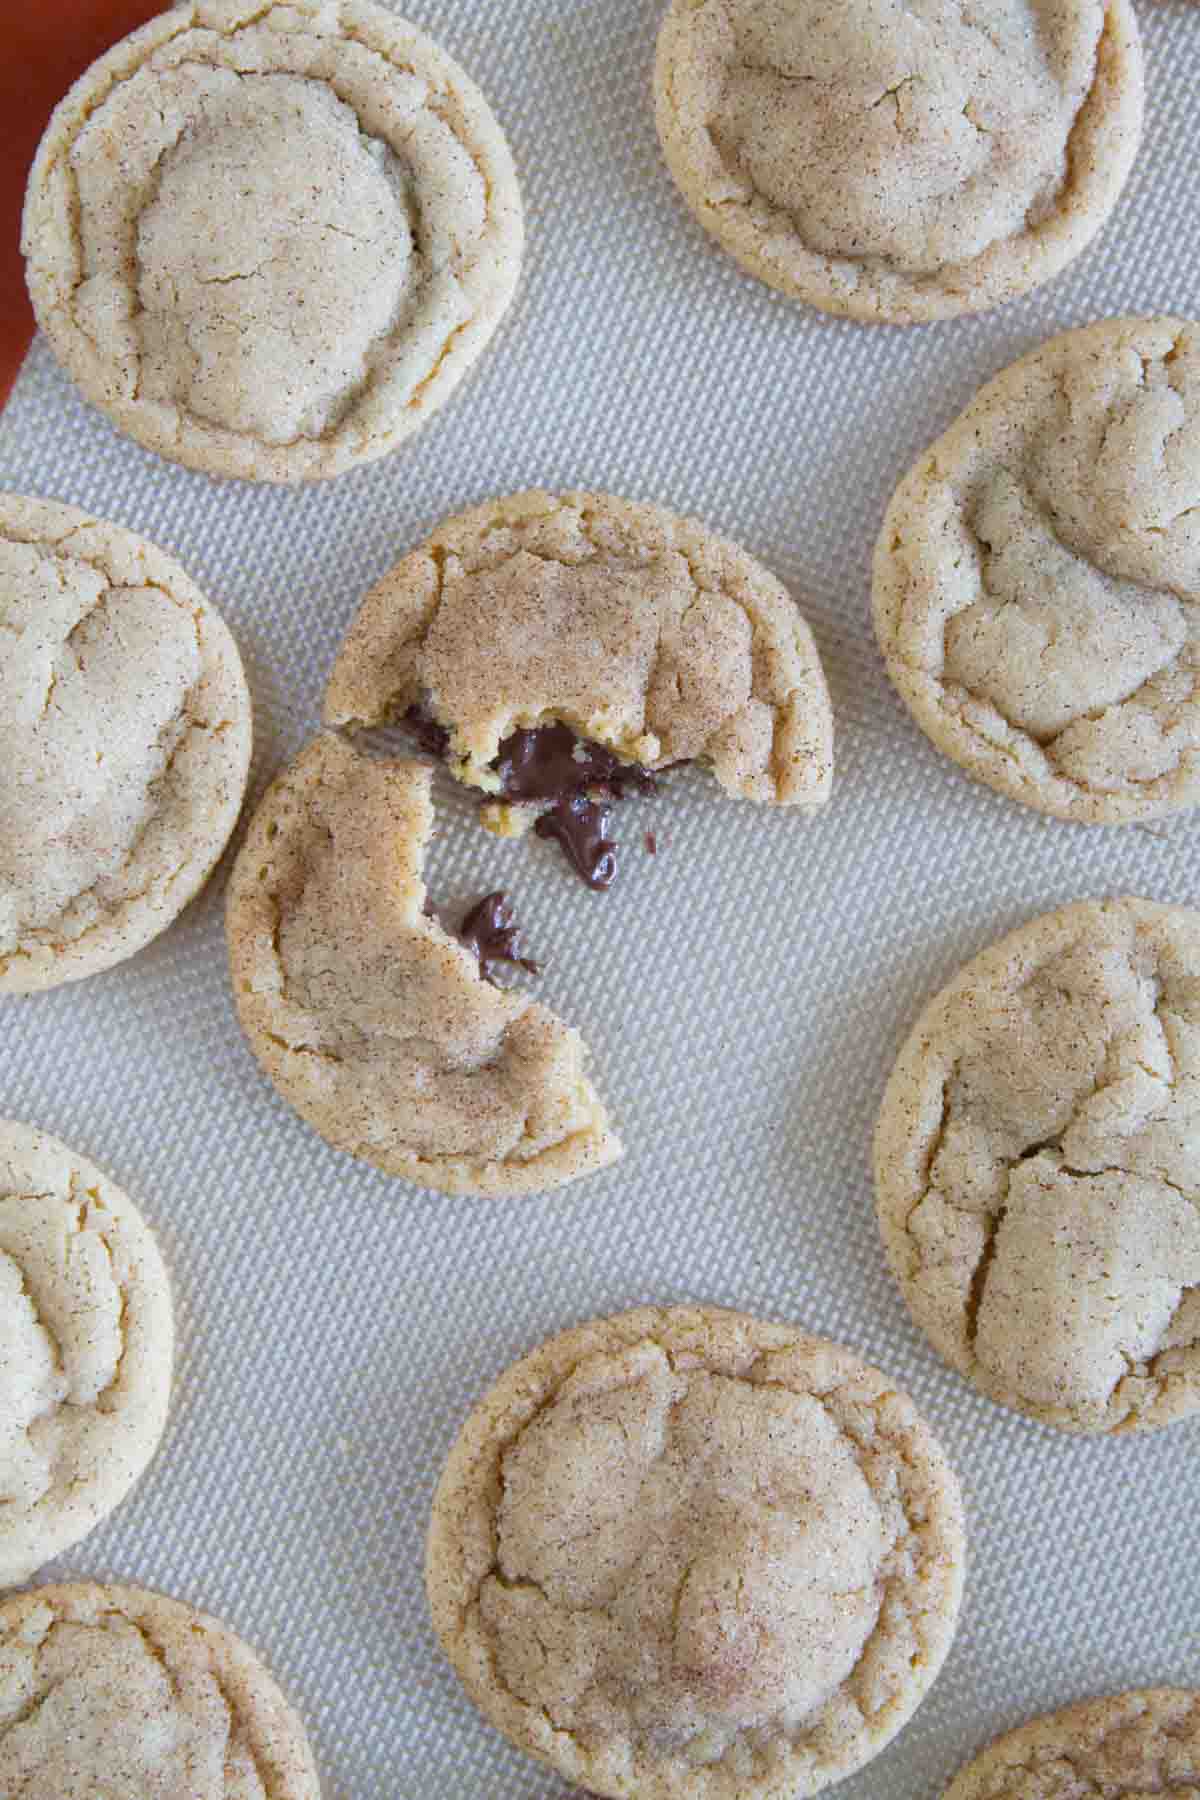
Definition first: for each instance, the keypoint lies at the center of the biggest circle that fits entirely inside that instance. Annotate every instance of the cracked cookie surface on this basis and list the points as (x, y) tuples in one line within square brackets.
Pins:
[(1120, 1747), (1037, 1167), (86, 1339), (683, 1552), (899, 163), (118, 1691), (1037, 578), (126, 745), (642, 631), (373, 1021), (268, 237)]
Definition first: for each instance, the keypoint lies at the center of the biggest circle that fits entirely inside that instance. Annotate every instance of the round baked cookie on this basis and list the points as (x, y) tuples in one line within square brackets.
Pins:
[(117, 1691), (126, 743), (642, 631), (1037, 578), (1124, 1747), (685, 1553), (1037, 1165), (373, 1021), (269, 237), (897, 163), (86, 1341)]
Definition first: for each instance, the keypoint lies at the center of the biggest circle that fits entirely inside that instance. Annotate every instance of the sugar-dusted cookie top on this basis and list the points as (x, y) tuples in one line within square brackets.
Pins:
[(643, 632), (1037, 1166), (1123, 1746), (900, 162), (374, 1022), (1037, 578), (125, 747), (86, 1339), (269, 239), (116, 1691), (683, 1552)]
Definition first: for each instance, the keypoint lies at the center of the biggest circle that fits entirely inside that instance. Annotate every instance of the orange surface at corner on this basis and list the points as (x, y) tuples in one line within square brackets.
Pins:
[(47, 44)]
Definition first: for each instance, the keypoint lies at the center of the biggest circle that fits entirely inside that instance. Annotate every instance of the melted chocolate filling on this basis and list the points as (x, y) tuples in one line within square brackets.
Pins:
[(491, 932), (550, 763), (579, 826)]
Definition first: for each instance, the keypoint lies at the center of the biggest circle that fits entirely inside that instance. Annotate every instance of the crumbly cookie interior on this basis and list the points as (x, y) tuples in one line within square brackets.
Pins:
[(1053, 1246), (916, 136), (97, 686)]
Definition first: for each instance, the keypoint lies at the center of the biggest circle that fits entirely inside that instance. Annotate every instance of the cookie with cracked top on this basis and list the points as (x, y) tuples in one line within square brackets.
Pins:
[(117, 1691), (1037, 577), (125, 748), (685, 1552), (268, 240), (1124, 1746), (1037, 1168), (900, 163), (86, 1343)]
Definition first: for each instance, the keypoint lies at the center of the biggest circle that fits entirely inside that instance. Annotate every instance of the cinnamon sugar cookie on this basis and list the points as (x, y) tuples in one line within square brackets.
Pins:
[(126, 743), (124, 1693), (899, 163), (1125, 1747), (86, 1338), (1037, 1166), (373, 1021), (683, 1552), (269, 239), (1037, 578), (646, 636)]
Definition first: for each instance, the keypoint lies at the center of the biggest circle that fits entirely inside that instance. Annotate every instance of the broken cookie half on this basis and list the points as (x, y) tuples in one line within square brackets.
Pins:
[(370, 1018), (558, 648)]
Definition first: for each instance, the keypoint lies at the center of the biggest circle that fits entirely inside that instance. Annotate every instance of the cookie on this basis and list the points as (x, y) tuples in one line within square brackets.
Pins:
[(269, 239), (1037, 1166), (1037, 578), (86, 1337), (120, 1692), (896, 163), (685, 1552), (126, 745), (370, 1018), (643, 634), (1125, 1746)]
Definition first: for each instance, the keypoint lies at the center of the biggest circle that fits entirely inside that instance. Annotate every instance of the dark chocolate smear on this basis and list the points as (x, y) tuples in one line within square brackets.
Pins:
[(548, 762), (490, 930), (431, 736)]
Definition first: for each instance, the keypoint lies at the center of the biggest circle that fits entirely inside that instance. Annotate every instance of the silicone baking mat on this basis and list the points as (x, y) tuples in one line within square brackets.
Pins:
[(743, 992)]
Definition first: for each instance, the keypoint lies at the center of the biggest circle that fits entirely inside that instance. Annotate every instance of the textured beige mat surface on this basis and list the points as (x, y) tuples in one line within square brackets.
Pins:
[(743, 992)]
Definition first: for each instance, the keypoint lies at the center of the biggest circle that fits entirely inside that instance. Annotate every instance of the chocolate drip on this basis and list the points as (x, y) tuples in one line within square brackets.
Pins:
[(550, 763), (431, 736), (579, 826), (491, 932)]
